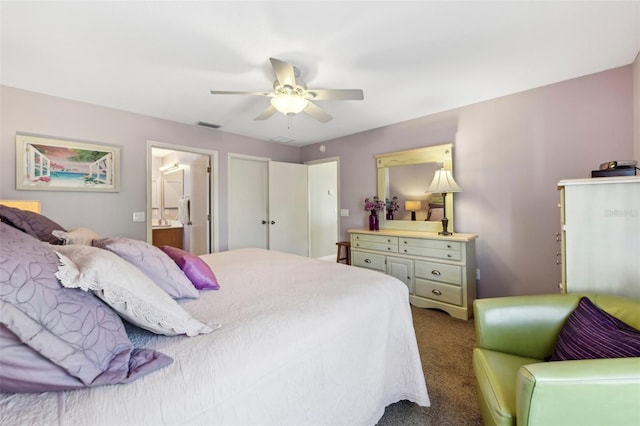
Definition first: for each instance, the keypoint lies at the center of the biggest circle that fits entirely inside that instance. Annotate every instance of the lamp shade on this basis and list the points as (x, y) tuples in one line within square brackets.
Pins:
[(443, 182), (412, 206), (289, 104)]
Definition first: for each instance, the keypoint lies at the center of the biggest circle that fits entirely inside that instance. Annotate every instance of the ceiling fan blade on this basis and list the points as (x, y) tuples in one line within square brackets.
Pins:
[(284, 72), (231, 92), (335, 94), (266, 113), (318, 113)]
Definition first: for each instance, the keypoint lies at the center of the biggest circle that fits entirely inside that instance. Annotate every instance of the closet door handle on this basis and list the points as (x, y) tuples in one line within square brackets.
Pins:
[(264, 222), (273, 222)]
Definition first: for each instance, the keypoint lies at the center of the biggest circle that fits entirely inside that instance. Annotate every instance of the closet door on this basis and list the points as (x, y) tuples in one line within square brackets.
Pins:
[(289, 208), (248, 202)]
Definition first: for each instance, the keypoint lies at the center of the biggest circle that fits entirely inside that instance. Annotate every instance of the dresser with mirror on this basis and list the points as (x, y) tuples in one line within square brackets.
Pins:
[(439, 270)]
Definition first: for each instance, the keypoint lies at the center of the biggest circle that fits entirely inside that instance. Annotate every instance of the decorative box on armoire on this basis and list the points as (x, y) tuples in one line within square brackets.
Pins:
[(601, 235)]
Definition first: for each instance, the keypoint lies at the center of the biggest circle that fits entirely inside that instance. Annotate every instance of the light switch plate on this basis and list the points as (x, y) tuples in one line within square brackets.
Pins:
[(138, 216), (344, 212)]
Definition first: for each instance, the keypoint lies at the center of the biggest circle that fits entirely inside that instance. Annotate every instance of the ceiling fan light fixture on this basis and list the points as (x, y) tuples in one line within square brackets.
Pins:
[(289, 104)]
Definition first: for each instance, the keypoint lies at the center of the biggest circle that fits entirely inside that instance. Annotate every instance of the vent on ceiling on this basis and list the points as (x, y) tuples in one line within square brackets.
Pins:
[(205, 124), (282, 139)]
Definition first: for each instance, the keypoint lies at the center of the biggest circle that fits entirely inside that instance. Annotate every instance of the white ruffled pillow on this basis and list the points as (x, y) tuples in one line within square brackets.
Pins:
[(83, 236), (126, 289)]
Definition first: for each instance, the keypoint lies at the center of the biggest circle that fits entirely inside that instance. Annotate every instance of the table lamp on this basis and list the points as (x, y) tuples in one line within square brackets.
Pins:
[(443, 183), (412, 206)]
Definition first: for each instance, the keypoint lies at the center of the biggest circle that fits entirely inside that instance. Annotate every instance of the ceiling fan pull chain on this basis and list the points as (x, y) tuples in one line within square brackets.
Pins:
[(289, 120)]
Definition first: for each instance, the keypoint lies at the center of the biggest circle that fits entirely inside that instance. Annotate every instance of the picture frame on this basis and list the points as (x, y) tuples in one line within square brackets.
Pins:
[(48, 164)]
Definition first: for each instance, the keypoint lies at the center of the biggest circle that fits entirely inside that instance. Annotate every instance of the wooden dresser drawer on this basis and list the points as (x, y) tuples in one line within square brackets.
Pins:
[(450, 250), (437, 291), (375, 242), (368, 260), (449, 274), (431, 252), (382, 239), (434, 244)]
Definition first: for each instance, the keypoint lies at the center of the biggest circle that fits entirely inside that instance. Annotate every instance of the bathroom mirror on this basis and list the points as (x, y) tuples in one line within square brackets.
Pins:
[(172, 188), (407, 175)]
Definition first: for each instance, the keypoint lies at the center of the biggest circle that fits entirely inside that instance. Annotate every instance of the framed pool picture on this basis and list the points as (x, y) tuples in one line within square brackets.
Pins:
[(46, 164)]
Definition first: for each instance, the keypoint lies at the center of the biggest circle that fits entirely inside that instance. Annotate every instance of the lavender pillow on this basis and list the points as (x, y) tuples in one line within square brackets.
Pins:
[(70, 329), (591, 333), (126, 289), (200, 274), (34, 224), (153, 262)]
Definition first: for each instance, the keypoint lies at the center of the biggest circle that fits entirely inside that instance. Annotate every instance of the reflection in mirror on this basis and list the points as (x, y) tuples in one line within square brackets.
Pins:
[(408, 183), (407, 175)]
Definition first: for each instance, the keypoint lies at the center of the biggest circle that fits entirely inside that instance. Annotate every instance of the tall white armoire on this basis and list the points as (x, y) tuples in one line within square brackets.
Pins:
[(601, 235)]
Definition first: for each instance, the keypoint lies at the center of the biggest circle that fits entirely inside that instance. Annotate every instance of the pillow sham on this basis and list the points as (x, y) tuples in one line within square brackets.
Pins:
[(32, 223), (153, 262), (198, 272), (83, 236), (70, 329), (24, 370), (126, 289), (591, 333)]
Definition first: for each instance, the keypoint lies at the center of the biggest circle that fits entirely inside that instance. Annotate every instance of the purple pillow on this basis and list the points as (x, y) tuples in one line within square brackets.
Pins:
[(591, 333), (200, 274), (32, 223), (67, 328), (153, 262)]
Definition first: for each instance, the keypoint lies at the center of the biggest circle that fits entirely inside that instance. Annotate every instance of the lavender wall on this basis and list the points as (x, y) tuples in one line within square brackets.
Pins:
[(111, 213), (636, 107), (509, 154)]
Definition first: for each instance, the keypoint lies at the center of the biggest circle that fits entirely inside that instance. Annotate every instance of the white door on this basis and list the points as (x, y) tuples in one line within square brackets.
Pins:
[(200, 211), (248, 202), (288, 208), (323, 209)]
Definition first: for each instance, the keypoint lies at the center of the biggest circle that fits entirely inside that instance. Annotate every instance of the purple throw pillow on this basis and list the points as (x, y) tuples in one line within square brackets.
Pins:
[(591, 333), (200, 274), (153, 262), (32, 223), (73, 331)]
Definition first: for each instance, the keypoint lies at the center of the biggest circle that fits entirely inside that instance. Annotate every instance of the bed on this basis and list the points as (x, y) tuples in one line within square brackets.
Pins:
[(292, 341)]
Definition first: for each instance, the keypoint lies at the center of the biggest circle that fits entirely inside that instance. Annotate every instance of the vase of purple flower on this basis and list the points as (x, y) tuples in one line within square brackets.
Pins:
[(374, 206), (392, 206)]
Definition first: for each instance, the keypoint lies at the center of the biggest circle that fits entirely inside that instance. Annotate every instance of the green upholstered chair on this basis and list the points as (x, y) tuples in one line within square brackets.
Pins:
[(514, 335)]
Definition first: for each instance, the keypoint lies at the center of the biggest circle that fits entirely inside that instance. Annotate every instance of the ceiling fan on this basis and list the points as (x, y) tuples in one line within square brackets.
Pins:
[(290, 94)]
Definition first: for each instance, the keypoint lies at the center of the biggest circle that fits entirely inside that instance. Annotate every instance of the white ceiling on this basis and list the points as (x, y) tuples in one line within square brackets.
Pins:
[(411, 58)]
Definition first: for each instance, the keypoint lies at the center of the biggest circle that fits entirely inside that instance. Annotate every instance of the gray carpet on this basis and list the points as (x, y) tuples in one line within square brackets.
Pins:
[(445, 345)]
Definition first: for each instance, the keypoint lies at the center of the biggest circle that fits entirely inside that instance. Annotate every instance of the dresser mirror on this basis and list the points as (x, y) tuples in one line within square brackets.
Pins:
[(407, 175)]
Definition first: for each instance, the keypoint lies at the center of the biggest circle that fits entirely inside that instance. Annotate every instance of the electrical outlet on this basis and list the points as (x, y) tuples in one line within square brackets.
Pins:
[(478, 274)]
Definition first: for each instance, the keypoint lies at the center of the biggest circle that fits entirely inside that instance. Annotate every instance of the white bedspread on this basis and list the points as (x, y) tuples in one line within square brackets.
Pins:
[(302, 341)]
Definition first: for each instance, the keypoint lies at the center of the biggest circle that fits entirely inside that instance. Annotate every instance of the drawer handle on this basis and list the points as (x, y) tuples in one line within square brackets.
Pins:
[(388, 241), (389, 248), (436, 272), (448, 255), (436, 292), (448, 245), (367, 261), (405, 250)]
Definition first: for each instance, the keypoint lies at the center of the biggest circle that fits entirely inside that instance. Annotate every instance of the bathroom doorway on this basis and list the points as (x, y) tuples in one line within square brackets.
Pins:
[(182, 197)]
